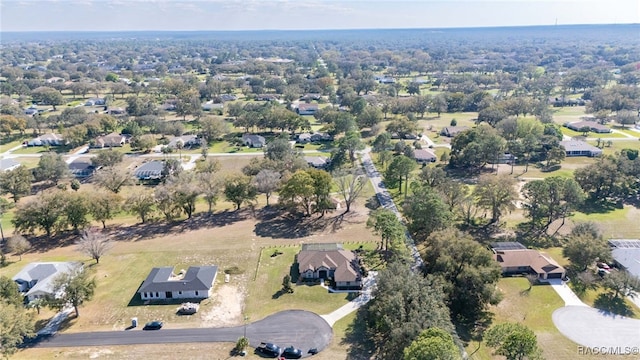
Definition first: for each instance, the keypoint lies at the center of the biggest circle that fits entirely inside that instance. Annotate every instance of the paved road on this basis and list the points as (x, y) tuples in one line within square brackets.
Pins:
[(302, 329), (594, 328), (386, 201)]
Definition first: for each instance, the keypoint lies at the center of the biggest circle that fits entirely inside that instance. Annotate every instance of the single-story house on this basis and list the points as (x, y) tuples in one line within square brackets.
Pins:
[(187, 141), (626, 253), (451, 131), (162, 283), (504, 158), (30, 111), (50, 139), (95, 102), (311, 96), (109, 141), (228, 97), (81, 168), (517, 260), (318, 162), (267, 97), (254, 141), (307, 109), (382, 79), (592, 125), (580, 148), (330, 261), (35, 280), (309, 137), (424, 156), (210, 105), (8, 164), (116, 111), (151, 170)]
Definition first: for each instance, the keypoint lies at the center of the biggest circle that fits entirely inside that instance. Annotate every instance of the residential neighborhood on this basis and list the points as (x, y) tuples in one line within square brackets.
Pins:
[(467, 193)]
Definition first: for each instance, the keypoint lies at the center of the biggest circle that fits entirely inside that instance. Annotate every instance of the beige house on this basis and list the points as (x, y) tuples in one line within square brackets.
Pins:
[(516, 259), (330, 262)]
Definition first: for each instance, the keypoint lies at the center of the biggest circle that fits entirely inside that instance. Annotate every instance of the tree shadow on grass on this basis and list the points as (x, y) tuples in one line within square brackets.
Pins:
[(199, 221), (275, 224), (611, 305), (361, 347), (598, 207)]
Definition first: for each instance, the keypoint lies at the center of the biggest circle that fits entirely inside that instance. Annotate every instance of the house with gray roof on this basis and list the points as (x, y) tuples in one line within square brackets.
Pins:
[(8, 164), (592, 125), (451, 131), (35, 280), (424, 156), (254, 141), (580, 148), (194, 283), (47, 139), (318, 162), (151, 170), (330, 262), (626, 253)]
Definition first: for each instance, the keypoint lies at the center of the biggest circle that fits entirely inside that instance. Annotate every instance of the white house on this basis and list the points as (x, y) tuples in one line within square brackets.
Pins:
[(195, 283), (36, 279), (254, 141)]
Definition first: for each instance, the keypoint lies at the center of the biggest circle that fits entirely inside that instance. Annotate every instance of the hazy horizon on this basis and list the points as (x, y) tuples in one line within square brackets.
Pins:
[(282, 15)]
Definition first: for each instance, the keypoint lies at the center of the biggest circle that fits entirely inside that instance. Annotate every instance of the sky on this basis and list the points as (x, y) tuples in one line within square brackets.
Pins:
[(126, 15)]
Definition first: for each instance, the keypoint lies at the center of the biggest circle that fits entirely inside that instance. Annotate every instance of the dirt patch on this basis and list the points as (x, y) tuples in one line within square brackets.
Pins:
[(227, 308)]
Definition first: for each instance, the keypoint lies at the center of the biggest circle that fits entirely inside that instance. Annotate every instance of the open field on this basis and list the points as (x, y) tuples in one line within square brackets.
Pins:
[(256, 278)]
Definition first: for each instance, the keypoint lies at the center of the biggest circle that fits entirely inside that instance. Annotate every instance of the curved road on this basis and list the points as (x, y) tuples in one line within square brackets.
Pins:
[(302, 329)]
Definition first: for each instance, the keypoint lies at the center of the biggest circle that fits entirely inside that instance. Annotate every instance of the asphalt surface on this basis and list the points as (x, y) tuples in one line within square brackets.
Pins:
[(302, 329), (596, 329)]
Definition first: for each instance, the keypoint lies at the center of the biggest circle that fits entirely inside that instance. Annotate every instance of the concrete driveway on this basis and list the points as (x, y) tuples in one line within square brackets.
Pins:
[(302, 329), (596, 329)]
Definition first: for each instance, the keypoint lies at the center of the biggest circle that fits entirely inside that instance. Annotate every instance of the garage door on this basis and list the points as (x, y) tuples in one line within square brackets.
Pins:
[(554, 276)]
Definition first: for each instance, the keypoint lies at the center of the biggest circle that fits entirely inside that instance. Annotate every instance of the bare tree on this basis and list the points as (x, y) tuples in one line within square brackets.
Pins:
[(350, 186), (18, 245), (94, 244), (266, 182), (210, 185)]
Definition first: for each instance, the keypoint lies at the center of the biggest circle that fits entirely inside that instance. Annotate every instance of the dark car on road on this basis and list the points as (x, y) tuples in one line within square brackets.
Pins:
[(153, 325), (291, 353), (269, 350)]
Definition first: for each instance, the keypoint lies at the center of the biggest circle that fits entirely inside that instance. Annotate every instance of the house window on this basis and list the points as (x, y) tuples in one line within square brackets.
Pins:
[(179, 292), (196, 292), (348, 283), (157, 294)]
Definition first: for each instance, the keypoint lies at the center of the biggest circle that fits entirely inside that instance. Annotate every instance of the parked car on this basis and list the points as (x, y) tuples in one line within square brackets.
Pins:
[(269, 350), (602, 265), (153, 325), (291, 353), (603, 272)]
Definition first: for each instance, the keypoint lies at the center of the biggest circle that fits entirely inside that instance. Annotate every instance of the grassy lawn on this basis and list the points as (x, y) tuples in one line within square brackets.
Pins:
[(627, 130), (615, 223), (532, 308), (42, 149), (591, 298)]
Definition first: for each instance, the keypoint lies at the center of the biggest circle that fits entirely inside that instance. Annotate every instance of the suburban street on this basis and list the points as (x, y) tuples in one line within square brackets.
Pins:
[(302, 329)]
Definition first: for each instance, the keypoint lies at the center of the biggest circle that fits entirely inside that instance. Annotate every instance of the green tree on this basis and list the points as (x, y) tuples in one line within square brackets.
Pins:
[(404, 304), (351, 143), (239, 189), (210, 186), (370, 116), (16, 182), (104, 206), (425, 212), (496, 194), (212, 128), (474, 148), (74, 288), (287, 287), (551, 199), (382, 142), (43, 213), (433, 344), (15, 324), (141, 203), (386, 224), (51, 167), (583, 247), (603, 181), (143, 143), (48, 96), (298, 191), (621, 284), (9, 293), (112, 178), (107, 158), (399, 169), (468, 271), (75, 209), (513, 340), (185, 191)]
